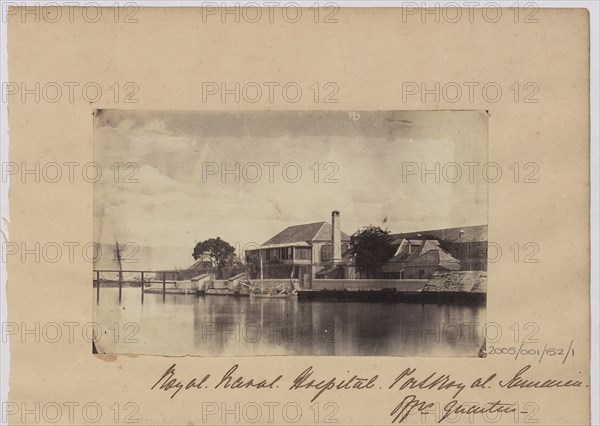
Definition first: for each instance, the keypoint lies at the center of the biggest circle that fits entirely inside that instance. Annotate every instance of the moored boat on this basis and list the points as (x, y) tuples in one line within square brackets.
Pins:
[(279, 292)]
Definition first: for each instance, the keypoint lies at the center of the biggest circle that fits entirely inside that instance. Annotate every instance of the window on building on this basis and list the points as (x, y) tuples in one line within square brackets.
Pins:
[(327, 252), (302, 253), (421, 273), (284, 253)]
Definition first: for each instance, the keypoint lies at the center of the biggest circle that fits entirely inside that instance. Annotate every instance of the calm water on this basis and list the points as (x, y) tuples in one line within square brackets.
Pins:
[(240, 326)]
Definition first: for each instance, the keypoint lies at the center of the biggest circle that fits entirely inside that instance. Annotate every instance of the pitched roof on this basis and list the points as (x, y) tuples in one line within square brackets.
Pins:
[(200, 277), (422, 256), (318, 231), (470, 234), (295, 244), (238, 276), (200, 264)]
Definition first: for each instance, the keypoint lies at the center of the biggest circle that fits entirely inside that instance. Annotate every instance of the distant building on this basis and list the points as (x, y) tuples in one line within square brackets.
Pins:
[(467, 244), (419, 259), (200, 282), (302, 250), (307, 252), (168, 274), (344, 269), (419, 254), (201, 266)]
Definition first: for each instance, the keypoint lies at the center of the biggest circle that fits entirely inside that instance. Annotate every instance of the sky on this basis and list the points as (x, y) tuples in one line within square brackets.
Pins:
[(285, 168)]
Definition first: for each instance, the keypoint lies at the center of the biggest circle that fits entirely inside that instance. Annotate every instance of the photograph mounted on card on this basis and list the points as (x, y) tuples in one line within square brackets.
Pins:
[(292, 233), (378, 219)]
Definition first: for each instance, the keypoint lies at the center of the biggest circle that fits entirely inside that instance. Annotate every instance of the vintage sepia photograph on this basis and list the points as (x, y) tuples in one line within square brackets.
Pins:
[(292, 213), (242, 233)]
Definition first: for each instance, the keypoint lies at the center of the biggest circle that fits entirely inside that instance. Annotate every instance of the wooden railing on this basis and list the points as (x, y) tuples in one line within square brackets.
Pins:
[(98, 281)]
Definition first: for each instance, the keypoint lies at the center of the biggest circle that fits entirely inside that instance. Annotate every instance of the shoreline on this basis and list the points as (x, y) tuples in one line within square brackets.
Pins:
[(441, 297)]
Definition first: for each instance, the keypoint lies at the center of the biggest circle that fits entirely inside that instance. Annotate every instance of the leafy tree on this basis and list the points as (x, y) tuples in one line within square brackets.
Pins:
[(371, 248), (219, 251), (253, 267)]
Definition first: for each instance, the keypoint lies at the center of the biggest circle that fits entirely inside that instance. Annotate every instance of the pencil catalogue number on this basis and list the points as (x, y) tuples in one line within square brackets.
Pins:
[(562, 352)]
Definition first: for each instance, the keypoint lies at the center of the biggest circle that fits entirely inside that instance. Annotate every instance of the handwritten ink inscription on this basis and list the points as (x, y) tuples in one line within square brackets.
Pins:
[(408, 382)]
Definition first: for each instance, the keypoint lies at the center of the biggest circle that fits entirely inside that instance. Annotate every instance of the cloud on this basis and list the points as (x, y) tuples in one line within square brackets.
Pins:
[(357, 171)]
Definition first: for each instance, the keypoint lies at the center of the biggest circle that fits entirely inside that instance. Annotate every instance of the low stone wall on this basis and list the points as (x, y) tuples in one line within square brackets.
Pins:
[(220, 284), (202, 283), (272, 283), (185, 285), (399, 285), (458, 281)]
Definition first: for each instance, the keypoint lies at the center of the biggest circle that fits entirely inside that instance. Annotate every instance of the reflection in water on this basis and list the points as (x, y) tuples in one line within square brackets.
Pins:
[(241, 326)]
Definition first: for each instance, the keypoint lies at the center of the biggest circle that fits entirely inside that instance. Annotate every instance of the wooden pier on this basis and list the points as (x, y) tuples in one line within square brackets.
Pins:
[(121, 283)]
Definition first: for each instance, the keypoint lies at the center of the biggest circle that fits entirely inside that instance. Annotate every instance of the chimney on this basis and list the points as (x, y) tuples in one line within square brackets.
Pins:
[(336, 237)]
